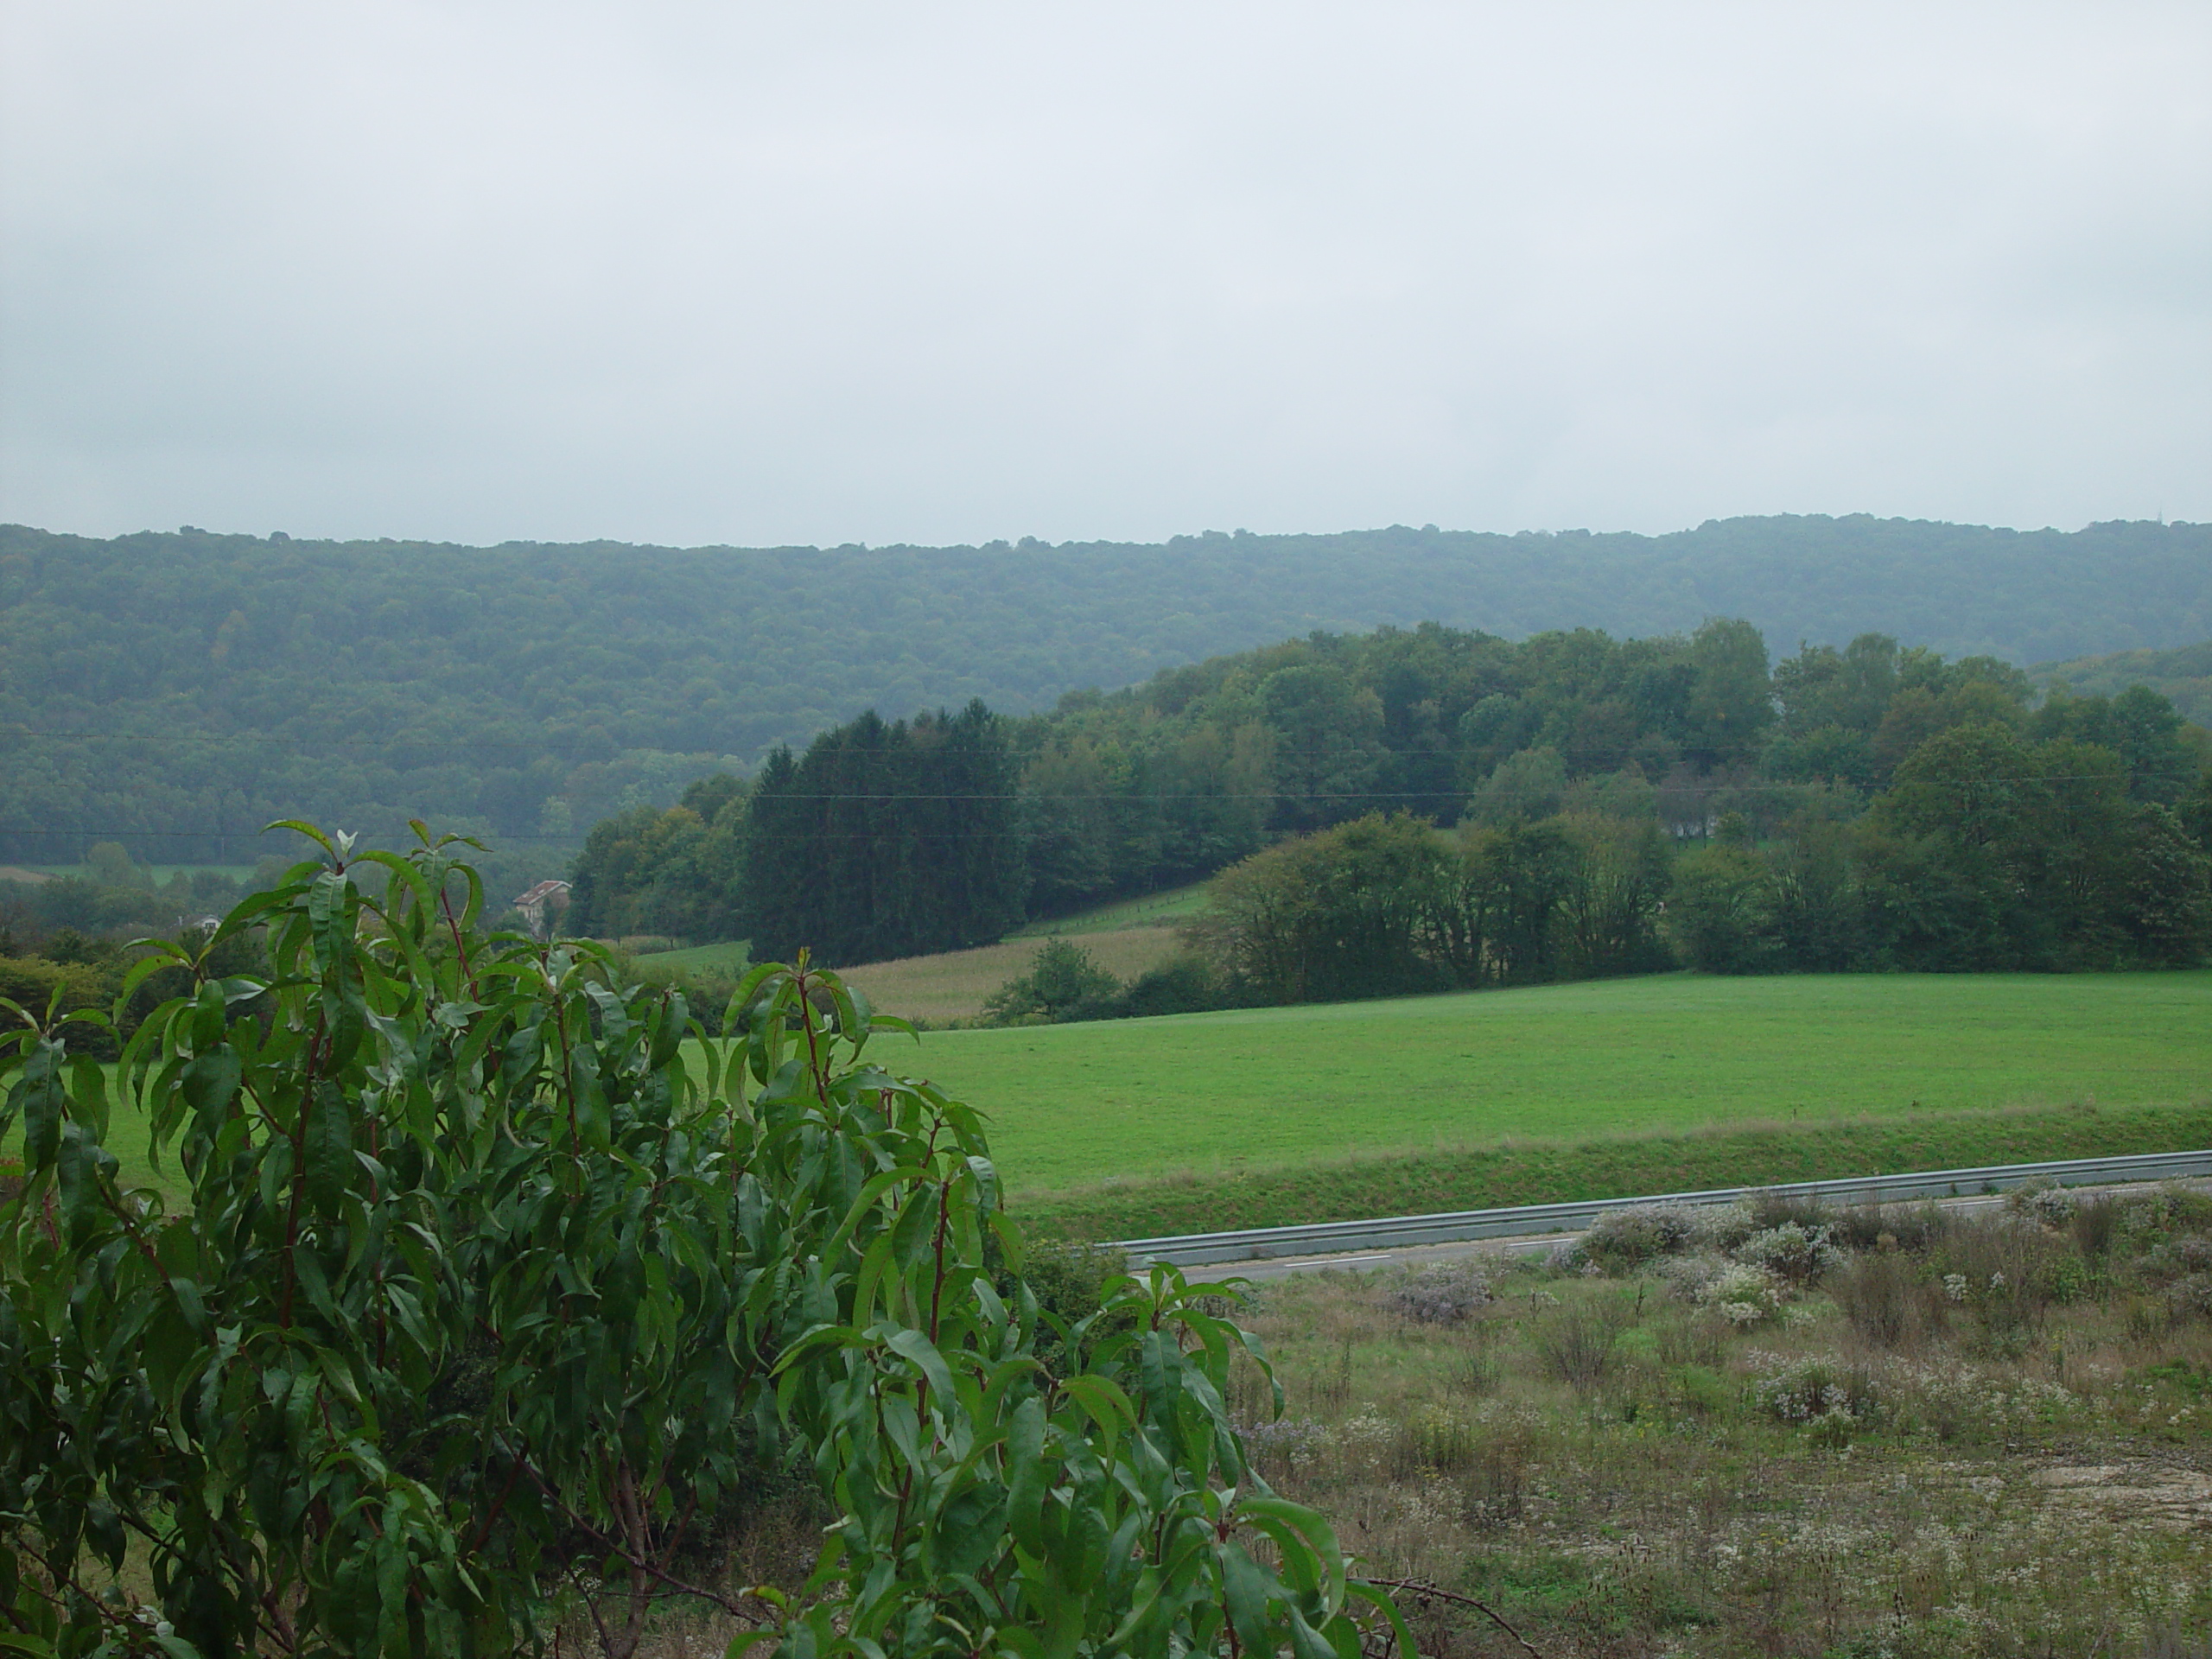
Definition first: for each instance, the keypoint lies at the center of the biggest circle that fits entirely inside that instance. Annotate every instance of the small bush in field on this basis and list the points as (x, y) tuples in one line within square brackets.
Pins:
[(1627, 1238), (1727, 1283), (2095, 1224), (1812, 1390), (1444, 1294), (2191, 1297), (2045, 1202), (1801, 1254), (1886, 1300), (1576, 1345), (1064, 982)]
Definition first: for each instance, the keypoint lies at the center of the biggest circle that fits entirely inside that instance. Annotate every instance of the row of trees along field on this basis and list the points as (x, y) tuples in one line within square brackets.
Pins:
[(176, 692), (946, 830)]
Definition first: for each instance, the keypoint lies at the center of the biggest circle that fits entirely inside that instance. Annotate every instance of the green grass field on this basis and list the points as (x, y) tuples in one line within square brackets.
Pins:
[(730, 957), (1215, 1093), (1281, 1115)]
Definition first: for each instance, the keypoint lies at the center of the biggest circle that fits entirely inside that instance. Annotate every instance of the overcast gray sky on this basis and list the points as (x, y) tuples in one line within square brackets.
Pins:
[(702, 272)]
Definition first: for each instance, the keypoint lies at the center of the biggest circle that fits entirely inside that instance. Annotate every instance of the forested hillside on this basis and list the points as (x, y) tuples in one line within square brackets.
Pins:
[(2184, 677), (919, 837), (175, 691)]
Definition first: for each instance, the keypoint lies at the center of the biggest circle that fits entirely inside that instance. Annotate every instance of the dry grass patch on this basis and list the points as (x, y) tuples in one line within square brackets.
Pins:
[(1625, 1462)]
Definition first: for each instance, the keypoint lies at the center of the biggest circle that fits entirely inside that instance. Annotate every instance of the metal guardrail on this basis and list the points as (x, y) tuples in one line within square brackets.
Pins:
[(1400, 1232)]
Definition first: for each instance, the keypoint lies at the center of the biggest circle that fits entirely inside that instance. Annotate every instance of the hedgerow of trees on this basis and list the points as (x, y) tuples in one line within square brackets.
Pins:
[(496, 1288), (177, 691)]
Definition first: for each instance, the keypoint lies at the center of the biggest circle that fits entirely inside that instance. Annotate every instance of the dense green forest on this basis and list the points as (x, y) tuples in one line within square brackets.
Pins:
[(1873, 806), (173, 692)]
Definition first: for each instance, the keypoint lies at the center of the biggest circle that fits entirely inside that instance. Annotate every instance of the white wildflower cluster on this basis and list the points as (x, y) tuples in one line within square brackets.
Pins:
[(1431, 1505), (1808, 1391), (2019, 1573), (1741, 1294), (1964, 1394), (1368, 1438)]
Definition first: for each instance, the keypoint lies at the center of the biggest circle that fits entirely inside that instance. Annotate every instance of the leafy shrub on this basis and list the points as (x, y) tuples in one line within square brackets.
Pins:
[(1700, 1390), (1064, 982), (1184, 984), (483, 1246), (2006, 1269), (2095, 1224), (1742, 1293)]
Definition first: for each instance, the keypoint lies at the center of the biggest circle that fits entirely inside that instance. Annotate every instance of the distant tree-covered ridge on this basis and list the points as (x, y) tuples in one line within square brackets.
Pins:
[(175, 691)]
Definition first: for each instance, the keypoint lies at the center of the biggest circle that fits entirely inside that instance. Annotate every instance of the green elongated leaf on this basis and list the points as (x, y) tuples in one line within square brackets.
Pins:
[(987, 1180), (43, 1103), (668, 1032), (303, 827), (88, 1095), (1247, 1587), (1026, 1477), (1103, 1400), (1161, 1368), (1306, 1642), (327, 1146), (191, 1307), (77, 1180), (209, 1082), (915, 1348), (1319, 1535), (595, 1122), (1382, 1601), (404, 871), (329, 921), (159, 954), (858, 1210)]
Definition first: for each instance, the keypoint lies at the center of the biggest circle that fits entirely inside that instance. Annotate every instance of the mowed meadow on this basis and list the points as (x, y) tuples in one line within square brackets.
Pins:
[(1072, 1106), (1601, 1089)]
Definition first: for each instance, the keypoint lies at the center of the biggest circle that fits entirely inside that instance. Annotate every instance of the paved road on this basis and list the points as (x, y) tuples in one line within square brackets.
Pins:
[(1282, 1267)]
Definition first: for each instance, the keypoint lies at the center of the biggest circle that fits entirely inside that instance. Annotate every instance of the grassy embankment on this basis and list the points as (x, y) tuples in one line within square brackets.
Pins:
[(1270, 1117)]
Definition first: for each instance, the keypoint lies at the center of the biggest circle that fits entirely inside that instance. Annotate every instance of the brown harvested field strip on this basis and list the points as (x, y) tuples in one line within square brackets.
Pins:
[(953, 985)]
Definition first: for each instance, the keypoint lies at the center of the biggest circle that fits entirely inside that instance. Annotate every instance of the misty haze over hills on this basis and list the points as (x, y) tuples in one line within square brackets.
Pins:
[(189, 683)]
